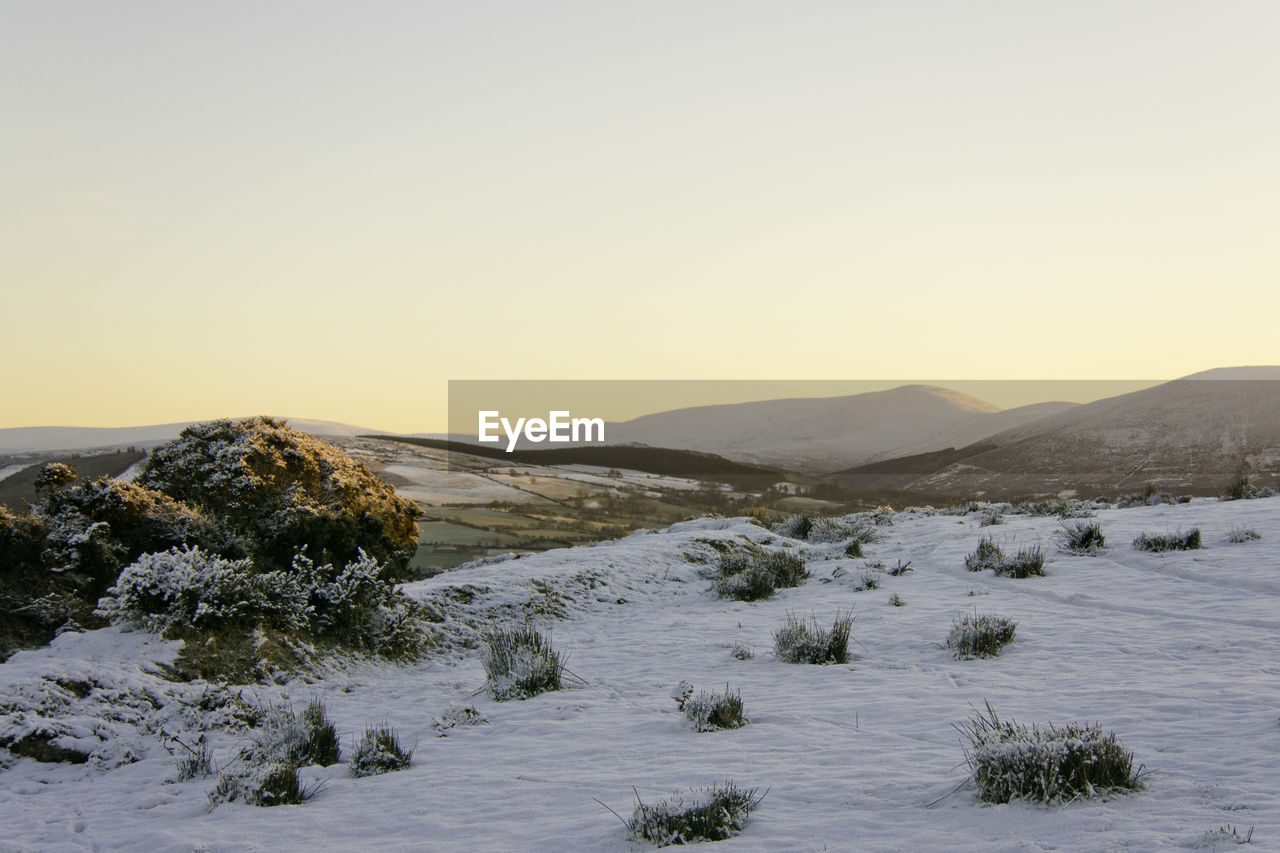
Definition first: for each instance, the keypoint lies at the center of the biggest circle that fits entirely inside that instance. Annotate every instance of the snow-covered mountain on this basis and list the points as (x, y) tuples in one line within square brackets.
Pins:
[(1193, 434)]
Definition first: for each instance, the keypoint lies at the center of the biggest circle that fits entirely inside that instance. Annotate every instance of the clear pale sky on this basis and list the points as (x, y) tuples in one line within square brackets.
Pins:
[(328, 210)]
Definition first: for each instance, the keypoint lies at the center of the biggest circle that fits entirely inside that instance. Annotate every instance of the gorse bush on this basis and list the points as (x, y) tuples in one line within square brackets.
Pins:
[(379, 752), (755, 575), (711, 814), (1053, 764), (980, 635), (1082, 537), (711, 712), (520, 663), (1178, 541), (803, 641), (184, 591), (281, 490)]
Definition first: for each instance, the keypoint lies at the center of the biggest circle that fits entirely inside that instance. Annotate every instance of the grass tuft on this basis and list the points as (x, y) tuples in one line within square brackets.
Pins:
[(1050, 765), (711, 814), (520, 663), (980, 635), (1159, 542), (803, 641), (711, 712), (379, 752), (1081, 538)]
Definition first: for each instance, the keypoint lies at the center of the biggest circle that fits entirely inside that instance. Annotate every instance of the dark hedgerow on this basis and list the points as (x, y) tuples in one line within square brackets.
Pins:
[(980, 635), (379, 752), (520, 663), (1050, 765), (1178, 541), (802, 641), (711, 814), (1081, 537)]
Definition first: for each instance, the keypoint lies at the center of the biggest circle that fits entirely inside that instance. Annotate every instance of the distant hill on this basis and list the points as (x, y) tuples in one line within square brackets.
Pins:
[(826, 433), (1192, 434), (46, 439)]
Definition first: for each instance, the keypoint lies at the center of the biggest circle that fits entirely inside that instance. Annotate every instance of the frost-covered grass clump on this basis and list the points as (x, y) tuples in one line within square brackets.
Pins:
[(520, 663), (1081, 538), (1050, 765), (265, 773), (1178, 541), (1240, 533), (752, 575), (980, 635), (379, 752), (711, 712), (711, 814), (1027, 562), (804, 641)]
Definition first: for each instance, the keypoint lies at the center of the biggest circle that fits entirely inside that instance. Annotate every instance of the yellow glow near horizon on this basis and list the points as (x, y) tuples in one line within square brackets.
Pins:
[(234, 210)]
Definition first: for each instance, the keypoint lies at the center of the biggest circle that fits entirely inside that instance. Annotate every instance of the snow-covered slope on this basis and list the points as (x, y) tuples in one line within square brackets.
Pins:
[(1177, 653)]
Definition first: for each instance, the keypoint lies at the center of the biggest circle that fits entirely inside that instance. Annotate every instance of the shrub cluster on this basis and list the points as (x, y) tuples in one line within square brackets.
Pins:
[(266, 772), (712, 814), (1082, 537), (352, 606), (1052, 764), (754, 575), (1178, 541), (980, 635), (520, 663), (803, 641)]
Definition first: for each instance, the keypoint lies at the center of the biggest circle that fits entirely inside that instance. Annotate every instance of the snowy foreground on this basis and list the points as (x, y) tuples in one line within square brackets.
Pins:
[(1178, 653)]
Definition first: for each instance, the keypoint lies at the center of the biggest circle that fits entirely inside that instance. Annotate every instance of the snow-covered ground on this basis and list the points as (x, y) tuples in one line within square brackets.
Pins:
[(1178, 653)]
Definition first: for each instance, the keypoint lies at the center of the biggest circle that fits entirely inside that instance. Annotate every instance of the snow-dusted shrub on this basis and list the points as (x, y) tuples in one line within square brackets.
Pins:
[(1178, 541), (194, 760), (794, 527), (520, 663), (1151, 496), (1082, 537), (190, 587), (990, 518), (1028, 562), (803, 641), (711, 712), (753, 575), (466, 715), (1241, 489), (1240, 534), (980, 635), (710, 814), (988, 555), (1051, 764), (282, 490), (379, 752)]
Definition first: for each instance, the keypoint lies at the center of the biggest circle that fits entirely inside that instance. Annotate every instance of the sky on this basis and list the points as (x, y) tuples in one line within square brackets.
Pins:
[(329, 210)]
